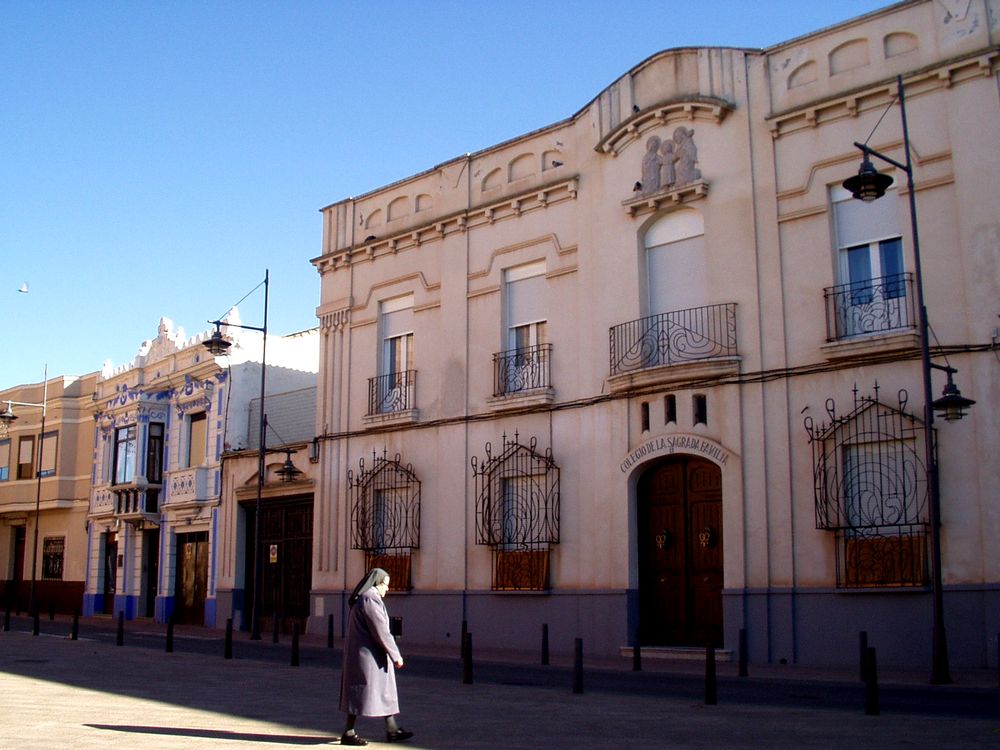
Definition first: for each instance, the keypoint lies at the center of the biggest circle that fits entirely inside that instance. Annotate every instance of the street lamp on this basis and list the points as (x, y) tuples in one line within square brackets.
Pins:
[(869, 185), (7, 417), (219, 346)]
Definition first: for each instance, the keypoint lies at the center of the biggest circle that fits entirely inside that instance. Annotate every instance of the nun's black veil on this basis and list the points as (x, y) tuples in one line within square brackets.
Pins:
[(375, 576)]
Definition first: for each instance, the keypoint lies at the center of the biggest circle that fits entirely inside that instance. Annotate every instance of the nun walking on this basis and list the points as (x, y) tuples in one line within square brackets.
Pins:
[(371, 656)]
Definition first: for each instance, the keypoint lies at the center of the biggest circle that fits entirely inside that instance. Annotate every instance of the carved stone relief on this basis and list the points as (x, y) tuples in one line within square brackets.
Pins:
[(669, 162)]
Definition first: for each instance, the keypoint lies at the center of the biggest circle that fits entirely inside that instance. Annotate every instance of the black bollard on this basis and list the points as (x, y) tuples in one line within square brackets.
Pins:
[(396, 626), (578, 666), (329, 631), (295, 644), (6, 620), (998, 659), (461, 643), (871, 684), (862, 653), (75, 632), (744, 656), (120, 640), (636, 653), (466, 658), (711, 686), (34, 619), (545, 644), (228, 652), (274, 635), (170, 634)]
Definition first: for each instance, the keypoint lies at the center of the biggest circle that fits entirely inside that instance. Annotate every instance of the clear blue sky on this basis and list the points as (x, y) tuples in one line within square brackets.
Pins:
[(156, 157)]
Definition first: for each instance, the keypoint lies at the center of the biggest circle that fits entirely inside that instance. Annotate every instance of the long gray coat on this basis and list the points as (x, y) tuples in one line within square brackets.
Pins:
[(368, 683)]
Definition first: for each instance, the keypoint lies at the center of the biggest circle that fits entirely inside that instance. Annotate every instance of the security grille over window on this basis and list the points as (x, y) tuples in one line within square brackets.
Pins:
[(870, 489), (385, 515), (517, 513)]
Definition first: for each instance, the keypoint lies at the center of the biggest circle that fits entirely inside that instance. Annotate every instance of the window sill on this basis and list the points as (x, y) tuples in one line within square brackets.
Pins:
[(406, 416), (670, 374), (863, 345), (522, 399)]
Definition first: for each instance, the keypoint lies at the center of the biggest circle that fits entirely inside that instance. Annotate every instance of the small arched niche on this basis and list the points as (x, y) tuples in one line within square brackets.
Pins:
[(803, 75), (521, 167), (899, 43), (848, 56)]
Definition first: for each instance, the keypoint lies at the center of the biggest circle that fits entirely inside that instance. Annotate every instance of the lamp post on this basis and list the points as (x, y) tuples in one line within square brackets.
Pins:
[(218, 346), (7, 416), (869, 185)]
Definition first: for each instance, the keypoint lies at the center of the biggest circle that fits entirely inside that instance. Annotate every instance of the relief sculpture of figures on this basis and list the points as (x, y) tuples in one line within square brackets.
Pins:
[(668, 175), (685, 156), (669, 162), (651, 163)]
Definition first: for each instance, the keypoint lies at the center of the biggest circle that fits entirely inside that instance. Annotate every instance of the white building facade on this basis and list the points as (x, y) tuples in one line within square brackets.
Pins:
[(648, 375), (163, 423)]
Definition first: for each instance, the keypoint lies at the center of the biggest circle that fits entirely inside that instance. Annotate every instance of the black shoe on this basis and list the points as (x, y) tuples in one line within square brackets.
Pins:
[(400, 735), (353, 739)]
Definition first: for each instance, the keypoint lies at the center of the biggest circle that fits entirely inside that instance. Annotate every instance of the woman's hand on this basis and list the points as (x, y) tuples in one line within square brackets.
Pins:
[(399, 664)]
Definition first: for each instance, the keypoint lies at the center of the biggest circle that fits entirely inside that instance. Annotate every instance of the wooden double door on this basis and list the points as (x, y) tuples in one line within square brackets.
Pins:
[(680, 553), (285, 560)]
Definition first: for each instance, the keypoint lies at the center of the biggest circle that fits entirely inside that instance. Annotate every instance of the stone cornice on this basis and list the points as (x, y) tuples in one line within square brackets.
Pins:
[(485, 214), (688, 109)]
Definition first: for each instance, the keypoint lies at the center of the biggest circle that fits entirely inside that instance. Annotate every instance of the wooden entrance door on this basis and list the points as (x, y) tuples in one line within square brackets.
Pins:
[(680, 553), (285, 549), (192, 578)]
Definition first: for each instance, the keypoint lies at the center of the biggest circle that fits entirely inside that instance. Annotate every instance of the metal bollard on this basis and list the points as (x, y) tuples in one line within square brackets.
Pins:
[(998, 659), (170, 634), (862, 653), (295, 644), (120, 640), (34, 619), (545, 644), (578, 666), (467, 658), (871, 684), (396, 626), (744, 655), (465, 629), (228, 652), (636, 653), (6, 620), (75, 631), (711, 685), (274, 635), (329, 631)]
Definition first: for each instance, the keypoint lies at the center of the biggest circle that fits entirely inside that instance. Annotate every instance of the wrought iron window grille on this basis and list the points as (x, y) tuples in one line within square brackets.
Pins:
[(674, 338), (870, 306), (517, 513), (524, 369), (870, 489), (385, 515), (393, 392)]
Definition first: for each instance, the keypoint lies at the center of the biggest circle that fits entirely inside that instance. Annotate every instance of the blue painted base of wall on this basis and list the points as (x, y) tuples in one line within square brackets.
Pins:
[(821, 627)]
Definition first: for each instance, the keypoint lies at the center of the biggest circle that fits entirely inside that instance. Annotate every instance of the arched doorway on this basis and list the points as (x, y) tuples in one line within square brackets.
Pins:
[(679, 522)]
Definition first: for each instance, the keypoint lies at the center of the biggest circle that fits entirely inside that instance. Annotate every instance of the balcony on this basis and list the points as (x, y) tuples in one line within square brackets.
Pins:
[(189, 485), (392, 397), (870, 316), (674, 346), (522, 376)]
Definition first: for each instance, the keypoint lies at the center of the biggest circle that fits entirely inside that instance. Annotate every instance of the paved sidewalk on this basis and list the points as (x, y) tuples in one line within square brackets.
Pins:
[(58, 693)]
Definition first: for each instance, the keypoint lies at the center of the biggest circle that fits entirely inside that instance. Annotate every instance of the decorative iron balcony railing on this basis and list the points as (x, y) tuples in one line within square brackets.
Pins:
[(522, 369), (393, 392), (674, 337), (870, 306)]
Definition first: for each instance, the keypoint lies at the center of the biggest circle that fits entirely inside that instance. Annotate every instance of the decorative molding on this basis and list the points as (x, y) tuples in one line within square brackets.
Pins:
[(703, 108), (669, 197)]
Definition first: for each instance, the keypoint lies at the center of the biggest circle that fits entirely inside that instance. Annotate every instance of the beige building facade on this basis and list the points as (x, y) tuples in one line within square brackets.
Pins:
[(44, 489), (649, 374)]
